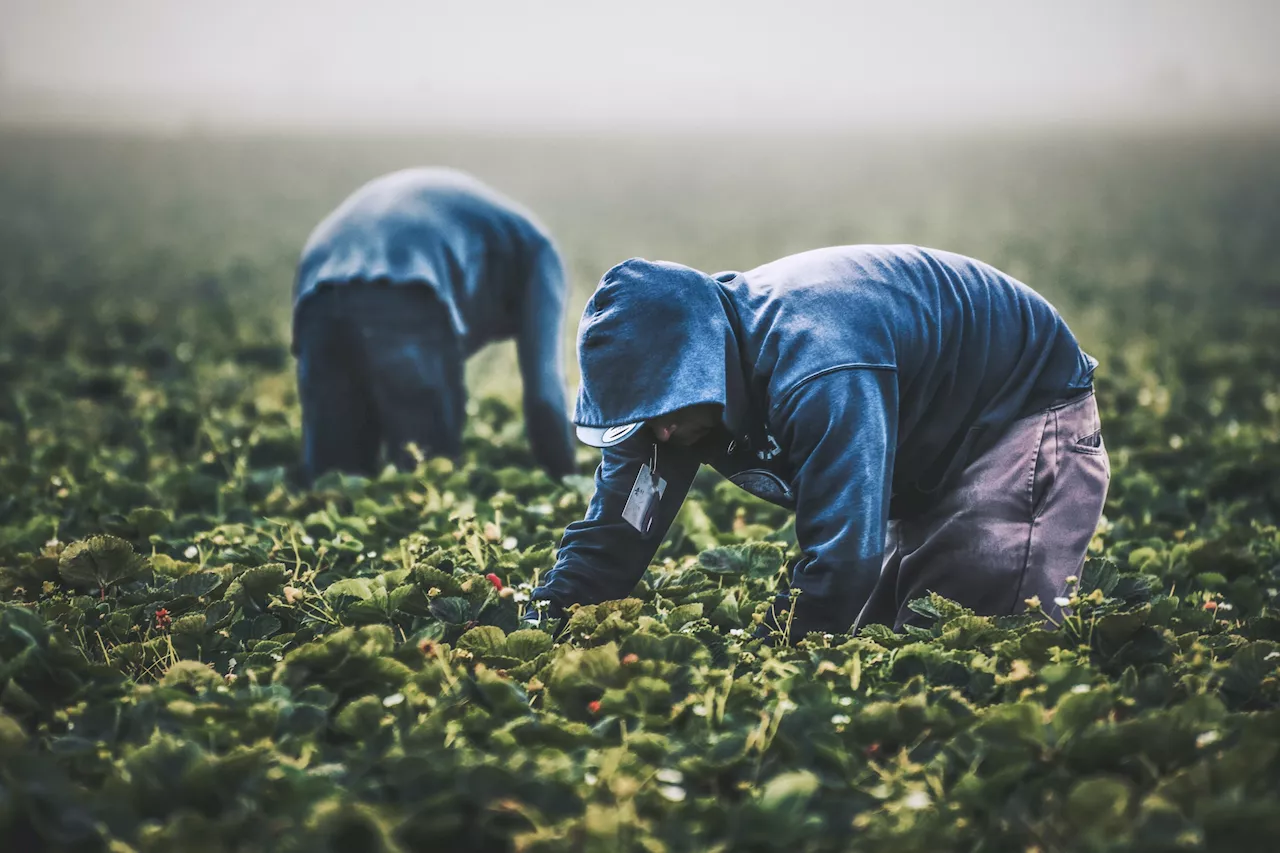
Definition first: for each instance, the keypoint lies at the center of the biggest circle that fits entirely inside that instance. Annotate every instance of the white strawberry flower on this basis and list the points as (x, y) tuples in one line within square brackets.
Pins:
[(674, 793), (917, 800)]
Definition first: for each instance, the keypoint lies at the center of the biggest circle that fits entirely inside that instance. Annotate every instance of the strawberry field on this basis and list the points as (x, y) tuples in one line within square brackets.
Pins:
[(198, 654)]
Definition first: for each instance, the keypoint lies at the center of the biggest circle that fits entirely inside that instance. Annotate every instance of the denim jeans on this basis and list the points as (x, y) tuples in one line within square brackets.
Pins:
[(1016, 524), (379, 366)]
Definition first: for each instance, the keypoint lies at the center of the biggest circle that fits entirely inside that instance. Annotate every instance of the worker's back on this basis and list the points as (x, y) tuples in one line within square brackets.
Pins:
[(433, 226)]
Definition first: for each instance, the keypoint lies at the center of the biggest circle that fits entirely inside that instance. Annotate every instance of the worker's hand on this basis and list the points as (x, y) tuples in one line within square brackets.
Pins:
[(550, 617)]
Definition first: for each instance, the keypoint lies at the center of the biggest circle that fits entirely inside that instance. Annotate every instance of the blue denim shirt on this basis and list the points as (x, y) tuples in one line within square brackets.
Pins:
[(492, 264), (854, 382)]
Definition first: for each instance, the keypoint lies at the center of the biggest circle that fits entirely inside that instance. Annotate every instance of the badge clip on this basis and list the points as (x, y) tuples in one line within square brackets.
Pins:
[(642, 503)]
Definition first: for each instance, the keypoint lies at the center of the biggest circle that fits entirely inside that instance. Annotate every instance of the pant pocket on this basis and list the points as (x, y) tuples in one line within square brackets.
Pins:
[(1044, 470), (1083, 427)]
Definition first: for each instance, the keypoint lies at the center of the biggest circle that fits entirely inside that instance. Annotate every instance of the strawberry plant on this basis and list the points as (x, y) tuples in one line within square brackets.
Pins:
[(197, 653)]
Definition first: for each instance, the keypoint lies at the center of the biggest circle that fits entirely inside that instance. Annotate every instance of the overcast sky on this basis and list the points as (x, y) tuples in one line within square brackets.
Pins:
[(582, 63)]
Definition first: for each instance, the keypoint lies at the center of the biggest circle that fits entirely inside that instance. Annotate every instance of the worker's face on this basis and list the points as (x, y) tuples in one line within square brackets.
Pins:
[(685, 426)]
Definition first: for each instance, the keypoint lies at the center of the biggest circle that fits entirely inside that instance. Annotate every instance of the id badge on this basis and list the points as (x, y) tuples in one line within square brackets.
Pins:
[(642, 503)]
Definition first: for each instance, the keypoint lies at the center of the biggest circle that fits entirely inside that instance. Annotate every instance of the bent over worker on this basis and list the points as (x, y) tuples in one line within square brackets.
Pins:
[(929, 419), (396, 288)]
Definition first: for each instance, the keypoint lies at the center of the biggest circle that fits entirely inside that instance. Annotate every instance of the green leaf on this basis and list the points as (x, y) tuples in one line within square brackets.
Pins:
[(117, 525), (101, 562), (166, 566), (265, 626), (12, 737), (1145, 559), (408, 599), (1075, 711), (1115, 628), (727, 612), (727, 562), (696, 524), (1136, 589), (218, 614), (1211, 580), (451, 609), (394, 578), (582, 620), (148, 521), (938, 607), (1098, 805), (429, 577), (1098, 573), (788, 793), (1249, 667), (528, 643), (683, 615), (581, 675), (191, 675), (755, 560), (484, 641), (197, 584), (360, 717), (192, 624), (357, 588), (252, 586)]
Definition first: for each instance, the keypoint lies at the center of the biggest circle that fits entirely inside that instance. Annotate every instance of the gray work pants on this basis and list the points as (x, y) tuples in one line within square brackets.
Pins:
[(1016, 524), (378, 364)]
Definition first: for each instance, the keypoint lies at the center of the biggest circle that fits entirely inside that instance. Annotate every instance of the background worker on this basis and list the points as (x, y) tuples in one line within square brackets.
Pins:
[(395, 289)]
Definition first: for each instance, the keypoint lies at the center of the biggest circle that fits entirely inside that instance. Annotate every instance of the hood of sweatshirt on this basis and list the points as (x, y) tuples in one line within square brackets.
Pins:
[(656, 337)]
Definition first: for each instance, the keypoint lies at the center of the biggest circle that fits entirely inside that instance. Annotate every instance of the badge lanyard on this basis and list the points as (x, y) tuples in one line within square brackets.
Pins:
[(642, 503)]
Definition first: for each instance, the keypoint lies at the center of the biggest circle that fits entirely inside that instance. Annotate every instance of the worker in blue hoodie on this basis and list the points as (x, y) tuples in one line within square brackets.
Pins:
[(396, 288), (929, 419)]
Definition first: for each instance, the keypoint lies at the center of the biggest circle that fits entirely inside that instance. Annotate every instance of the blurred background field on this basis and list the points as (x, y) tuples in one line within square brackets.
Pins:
[(1131, 233)]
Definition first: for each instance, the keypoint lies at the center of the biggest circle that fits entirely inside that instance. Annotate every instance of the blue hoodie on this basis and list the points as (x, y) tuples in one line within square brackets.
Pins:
[(491, 263), (855, 382)]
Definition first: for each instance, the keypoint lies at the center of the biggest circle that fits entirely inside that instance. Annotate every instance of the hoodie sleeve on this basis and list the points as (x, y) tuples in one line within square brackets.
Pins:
[(542, 364), (602, 557), (840, 431)]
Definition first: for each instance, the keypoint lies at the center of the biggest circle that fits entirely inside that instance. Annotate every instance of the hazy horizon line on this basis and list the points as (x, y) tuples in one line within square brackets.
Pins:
[(35, 110)]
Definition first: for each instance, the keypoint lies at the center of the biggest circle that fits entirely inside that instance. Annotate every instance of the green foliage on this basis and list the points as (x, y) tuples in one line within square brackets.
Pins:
[(197, 653), (756, 560), (99, 562)]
